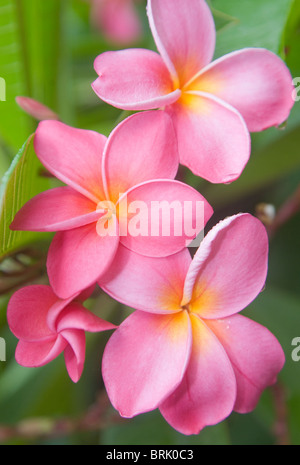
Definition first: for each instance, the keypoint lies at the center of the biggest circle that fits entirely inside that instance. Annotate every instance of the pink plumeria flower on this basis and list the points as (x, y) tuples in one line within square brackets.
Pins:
[(186, 350), (105, 177), (46, 326), (118, 20), (213, 105)]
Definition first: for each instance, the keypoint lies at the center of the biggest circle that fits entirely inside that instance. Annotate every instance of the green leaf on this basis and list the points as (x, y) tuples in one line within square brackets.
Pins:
[(46, 62), (258, 24), (14, 124), (222, 20), (21, 182), (33, 63), (291, 39)]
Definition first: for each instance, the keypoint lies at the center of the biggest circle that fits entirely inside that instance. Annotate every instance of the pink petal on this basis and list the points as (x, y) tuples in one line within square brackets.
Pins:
[(77, 258), (213, 138), (74, 353), (56, 310), (72, 155), (36, 109), (255, 354), (117, 20), (164, 216), (75, 316), (57, 209), (147, 145), (86, 293), (145, 359), (229, 269), (144, 283), (27, 312), (207, 393), (36, 354), (254, 81), (134, 79), (184, 33)]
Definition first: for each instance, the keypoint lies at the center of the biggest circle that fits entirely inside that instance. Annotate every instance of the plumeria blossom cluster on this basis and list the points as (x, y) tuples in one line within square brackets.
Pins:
[(184, 349)]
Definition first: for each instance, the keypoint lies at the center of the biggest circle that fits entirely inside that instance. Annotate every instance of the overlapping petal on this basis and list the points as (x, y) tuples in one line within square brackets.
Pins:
[(72, 155), (77, 258), (229, 269), (145, 359), (75, 316), (207, 392), (146, 283), (213, 139), (39, 353), (164, 216), (141, 148), (255, 354), (255, 81), (74, 353)]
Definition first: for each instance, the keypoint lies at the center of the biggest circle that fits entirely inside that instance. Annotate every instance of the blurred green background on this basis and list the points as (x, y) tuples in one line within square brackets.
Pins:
[(47, 49)]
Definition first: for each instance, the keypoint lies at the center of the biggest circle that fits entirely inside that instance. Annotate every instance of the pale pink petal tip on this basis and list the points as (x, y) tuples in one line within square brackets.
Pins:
[(36, 109)]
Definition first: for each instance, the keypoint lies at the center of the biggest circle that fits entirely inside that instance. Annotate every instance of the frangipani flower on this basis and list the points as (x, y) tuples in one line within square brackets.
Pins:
[(118, 20), (213, 105), (186, 350), (46, 326), (105, 178)]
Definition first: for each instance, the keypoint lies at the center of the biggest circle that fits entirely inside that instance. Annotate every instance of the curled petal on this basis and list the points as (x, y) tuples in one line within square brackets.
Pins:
[(145, 359), (75, 316), (74, 352), (39, 353), (27, 312), (229, 269)]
